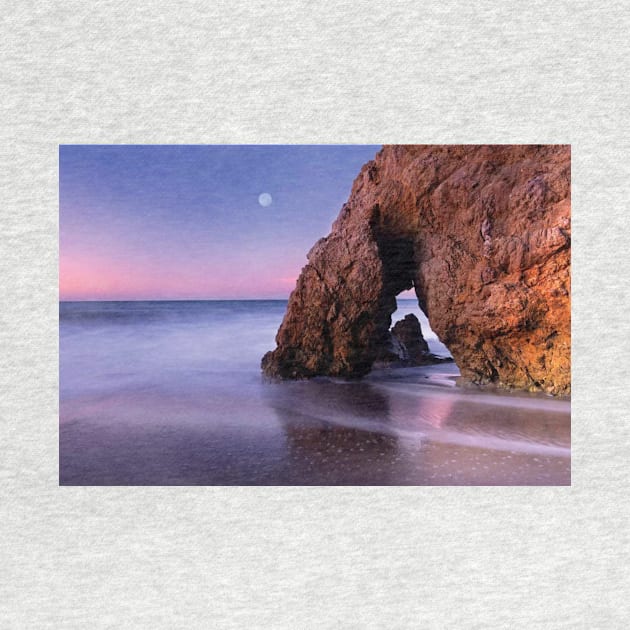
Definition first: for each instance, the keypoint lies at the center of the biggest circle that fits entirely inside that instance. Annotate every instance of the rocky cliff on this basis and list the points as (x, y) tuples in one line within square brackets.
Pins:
[(483, 235)]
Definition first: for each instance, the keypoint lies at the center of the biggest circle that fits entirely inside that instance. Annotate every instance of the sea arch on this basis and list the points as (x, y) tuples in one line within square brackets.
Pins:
[(482, 235)]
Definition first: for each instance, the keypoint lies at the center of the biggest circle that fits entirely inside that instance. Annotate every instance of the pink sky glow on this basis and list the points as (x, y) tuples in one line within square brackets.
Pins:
[(187, 222), (93, 279)]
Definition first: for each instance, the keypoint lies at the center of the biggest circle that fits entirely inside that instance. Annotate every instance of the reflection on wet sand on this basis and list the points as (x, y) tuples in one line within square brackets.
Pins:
[(422, 435), (325, 444), (305, 433), (448, 416), (337, 455)]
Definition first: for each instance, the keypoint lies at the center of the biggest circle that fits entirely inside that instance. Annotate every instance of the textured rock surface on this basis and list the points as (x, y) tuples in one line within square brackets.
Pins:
[(409, 332), (391, 352), (405, 345), (482, 233)]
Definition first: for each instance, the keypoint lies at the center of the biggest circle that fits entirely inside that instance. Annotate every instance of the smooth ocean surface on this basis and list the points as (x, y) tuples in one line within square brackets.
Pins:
[(170, 393)]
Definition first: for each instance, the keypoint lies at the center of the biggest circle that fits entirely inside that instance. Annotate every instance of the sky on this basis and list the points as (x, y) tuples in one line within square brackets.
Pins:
[(188, 222)]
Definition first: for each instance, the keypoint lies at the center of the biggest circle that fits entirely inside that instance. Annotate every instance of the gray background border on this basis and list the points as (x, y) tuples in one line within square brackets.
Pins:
[(303, 72)]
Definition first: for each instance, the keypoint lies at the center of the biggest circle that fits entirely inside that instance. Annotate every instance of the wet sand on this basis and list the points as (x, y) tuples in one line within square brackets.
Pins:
[(397, 427)]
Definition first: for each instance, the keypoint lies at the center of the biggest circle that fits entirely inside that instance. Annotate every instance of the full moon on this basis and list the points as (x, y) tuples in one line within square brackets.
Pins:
[(265, 200)]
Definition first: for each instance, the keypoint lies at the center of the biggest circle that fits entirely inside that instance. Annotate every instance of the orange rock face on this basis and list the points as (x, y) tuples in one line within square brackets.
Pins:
[(483, 235)]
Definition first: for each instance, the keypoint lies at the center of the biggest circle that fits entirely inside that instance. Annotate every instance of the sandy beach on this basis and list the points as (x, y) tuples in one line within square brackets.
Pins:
[(170, 393)]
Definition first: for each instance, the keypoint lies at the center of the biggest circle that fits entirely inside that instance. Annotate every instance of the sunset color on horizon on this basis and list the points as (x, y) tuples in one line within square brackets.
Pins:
[(196, 222)]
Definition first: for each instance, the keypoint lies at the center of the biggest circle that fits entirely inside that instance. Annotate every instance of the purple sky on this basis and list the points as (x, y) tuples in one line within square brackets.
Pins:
[(160, 222)]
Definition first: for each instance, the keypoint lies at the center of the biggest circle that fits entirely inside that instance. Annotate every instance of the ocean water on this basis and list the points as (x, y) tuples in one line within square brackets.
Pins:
[(170, 393)]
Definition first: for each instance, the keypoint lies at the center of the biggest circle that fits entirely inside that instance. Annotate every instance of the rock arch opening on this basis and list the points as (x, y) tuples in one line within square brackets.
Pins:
[(400, 341)]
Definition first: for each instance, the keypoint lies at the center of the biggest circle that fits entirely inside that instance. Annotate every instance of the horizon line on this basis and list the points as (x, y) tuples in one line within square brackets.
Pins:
[(258, 299)]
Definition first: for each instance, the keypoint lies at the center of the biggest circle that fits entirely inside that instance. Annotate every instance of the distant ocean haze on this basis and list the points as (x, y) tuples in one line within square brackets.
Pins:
[(139, 340)]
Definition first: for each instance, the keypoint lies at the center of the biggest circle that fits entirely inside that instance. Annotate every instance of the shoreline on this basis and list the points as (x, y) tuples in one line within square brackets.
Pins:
[(173, 395)]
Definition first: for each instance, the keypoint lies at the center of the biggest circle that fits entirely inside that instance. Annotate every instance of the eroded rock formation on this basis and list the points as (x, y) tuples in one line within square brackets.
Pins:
[(405, 346), (482, 234), (409, 332)]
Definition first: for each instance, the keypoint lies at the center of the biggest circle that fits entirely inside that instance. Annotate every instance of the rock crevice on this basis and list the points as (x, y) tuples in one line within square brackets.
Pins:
[(482, 233)]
